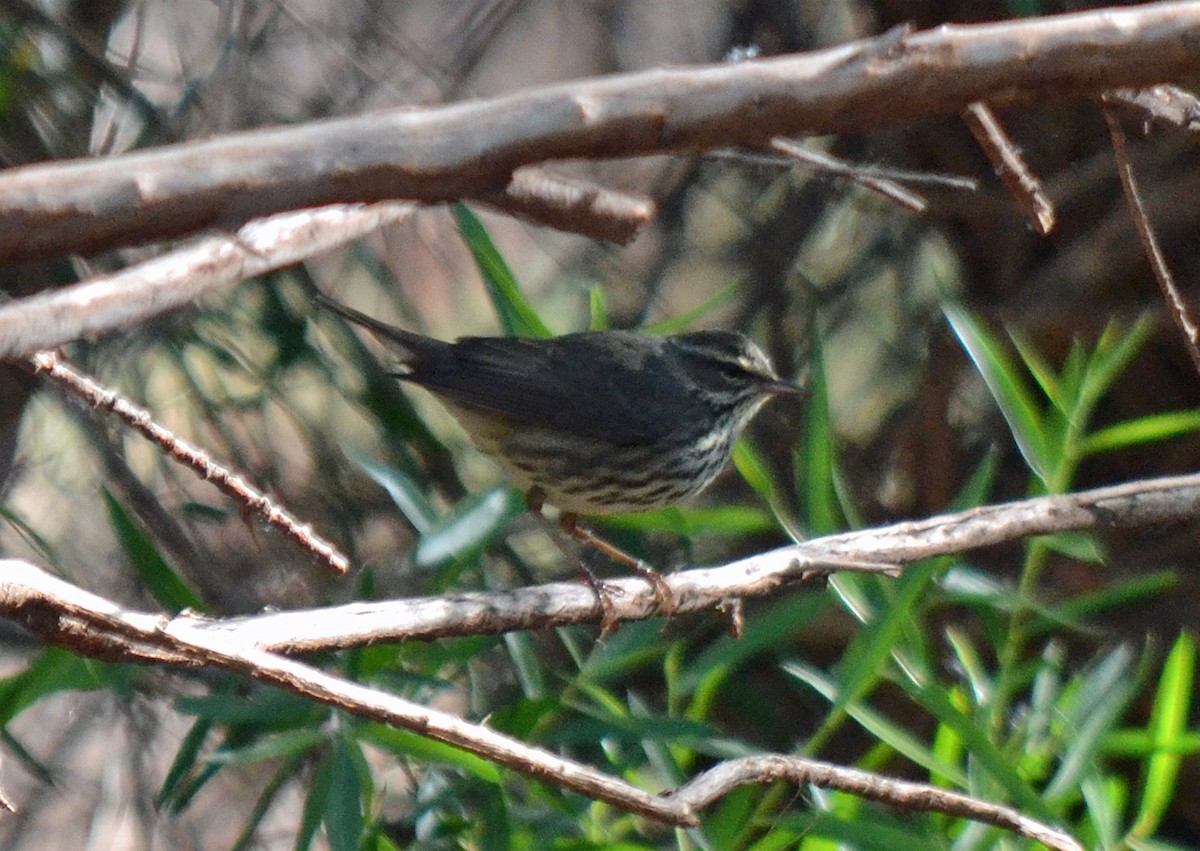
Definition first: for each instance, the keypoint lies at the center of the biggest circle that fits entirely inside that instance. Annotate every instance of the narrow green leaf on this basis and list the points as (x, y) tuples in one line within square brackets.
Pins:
[(186, 759), (1105, 798), (1004, 381), (1113, 352), (272, 746), (683, 321), (814, 465), (724, 520), (1086, 713), (1168, 722), (314, 805), (864, 662), (471, 525), (978, 741), (597, 309), (343, 815), (1149, 429), (172, 593), (401, 488), (425, 751), (753, 468), (528, 664), (517, 316), (887, 731), (52, 670), (1081, 546), (1041, 371)]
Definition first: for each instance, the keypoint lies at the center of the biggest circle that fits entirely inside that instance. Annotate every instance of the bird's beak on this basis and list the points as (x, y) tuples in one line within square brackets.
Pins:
[(779, 387)]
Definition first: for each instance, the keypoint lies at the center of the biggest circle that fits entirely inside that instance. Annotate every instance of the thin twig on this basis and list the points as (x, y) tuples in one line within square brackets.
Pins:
[(829, 164), (1010, 165), (1170, 106), (231, 484), (1177, 307), (723, 778), (574, 204)]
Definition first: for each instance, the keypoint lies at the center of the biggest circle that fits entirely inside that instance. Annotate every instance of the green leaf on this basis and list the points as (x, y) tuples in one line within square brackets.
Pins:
[(978, 742), (1004, 381), (472, 524), (262, 708), (272, 746), (343, 815), (597, 309), (815, 465), (723, 520), (683, 321), (53, 670), (1086, 714), (517, 316), (186, 760), (314, 805), (1168, 723), (878, 725), (753, 467), (425, 751), (1149, 429), (1113, 352), (864, 662), (172, 593), (1081, 546), (401, 488)]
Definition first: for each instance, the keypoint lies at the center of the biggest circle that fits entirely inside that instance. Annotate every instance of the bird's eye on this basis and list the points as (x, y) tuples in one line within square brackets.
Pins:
[(732, 371)]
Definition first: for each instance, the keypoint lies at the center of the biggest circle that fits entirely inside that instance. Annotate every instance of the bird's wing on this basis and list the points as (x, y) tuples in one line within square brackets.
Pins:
[(553, 384)]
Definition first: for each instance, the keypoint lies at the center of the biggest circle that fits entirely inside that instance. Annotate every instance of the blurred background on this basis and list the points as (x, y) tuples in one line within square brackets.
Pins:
[(844, 290)]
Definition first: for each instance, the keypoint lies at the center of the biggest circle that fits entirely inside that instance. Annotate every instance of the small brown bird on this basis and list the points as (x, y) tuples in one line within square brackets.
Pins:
[(599, 422)]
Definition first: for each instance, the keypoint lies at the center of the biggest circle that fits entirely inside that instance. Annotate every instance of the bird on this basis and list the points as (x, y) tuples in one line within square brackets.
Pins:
[(596, 422)]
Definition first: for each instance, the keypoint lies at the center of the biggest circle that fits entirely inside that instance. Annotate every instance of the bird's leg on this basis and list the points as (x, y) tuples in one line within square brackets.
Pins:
[(662, 591), (608, 616)]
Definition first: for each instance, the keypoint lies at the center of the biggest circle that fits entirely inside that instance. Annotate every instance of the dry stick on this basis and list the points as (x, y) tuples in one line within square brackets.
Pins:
[(1170, 106), (828, 164), (718, 781), (1010, 165), (1136, 504), (472, 148), (178, 277), (89, 624), (574, 204), (1176, 305), (231, 484)]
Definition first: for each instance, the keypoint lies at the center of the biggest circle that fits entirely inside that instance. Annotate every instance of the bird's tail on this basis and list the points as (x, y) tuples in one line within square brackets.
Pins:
[(408, 346)]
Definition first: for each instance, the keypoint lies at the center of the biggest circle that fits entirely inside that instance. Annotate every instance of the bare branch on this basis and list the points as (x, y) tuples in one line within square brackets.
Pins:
[(438, 154), (92, 625), (828, 164), (122, 299), (1010, 166), (573, 204), (1139, 503), (191, 456), (1170, 106), (722, 779), (1177, 306)]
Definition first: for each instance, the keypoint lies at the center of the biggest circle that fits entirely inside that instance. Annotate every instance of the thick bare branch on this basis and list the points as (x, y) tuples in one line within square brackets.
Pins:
[(1175, 499), (92, 625), (125, 298), (471, 149)]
